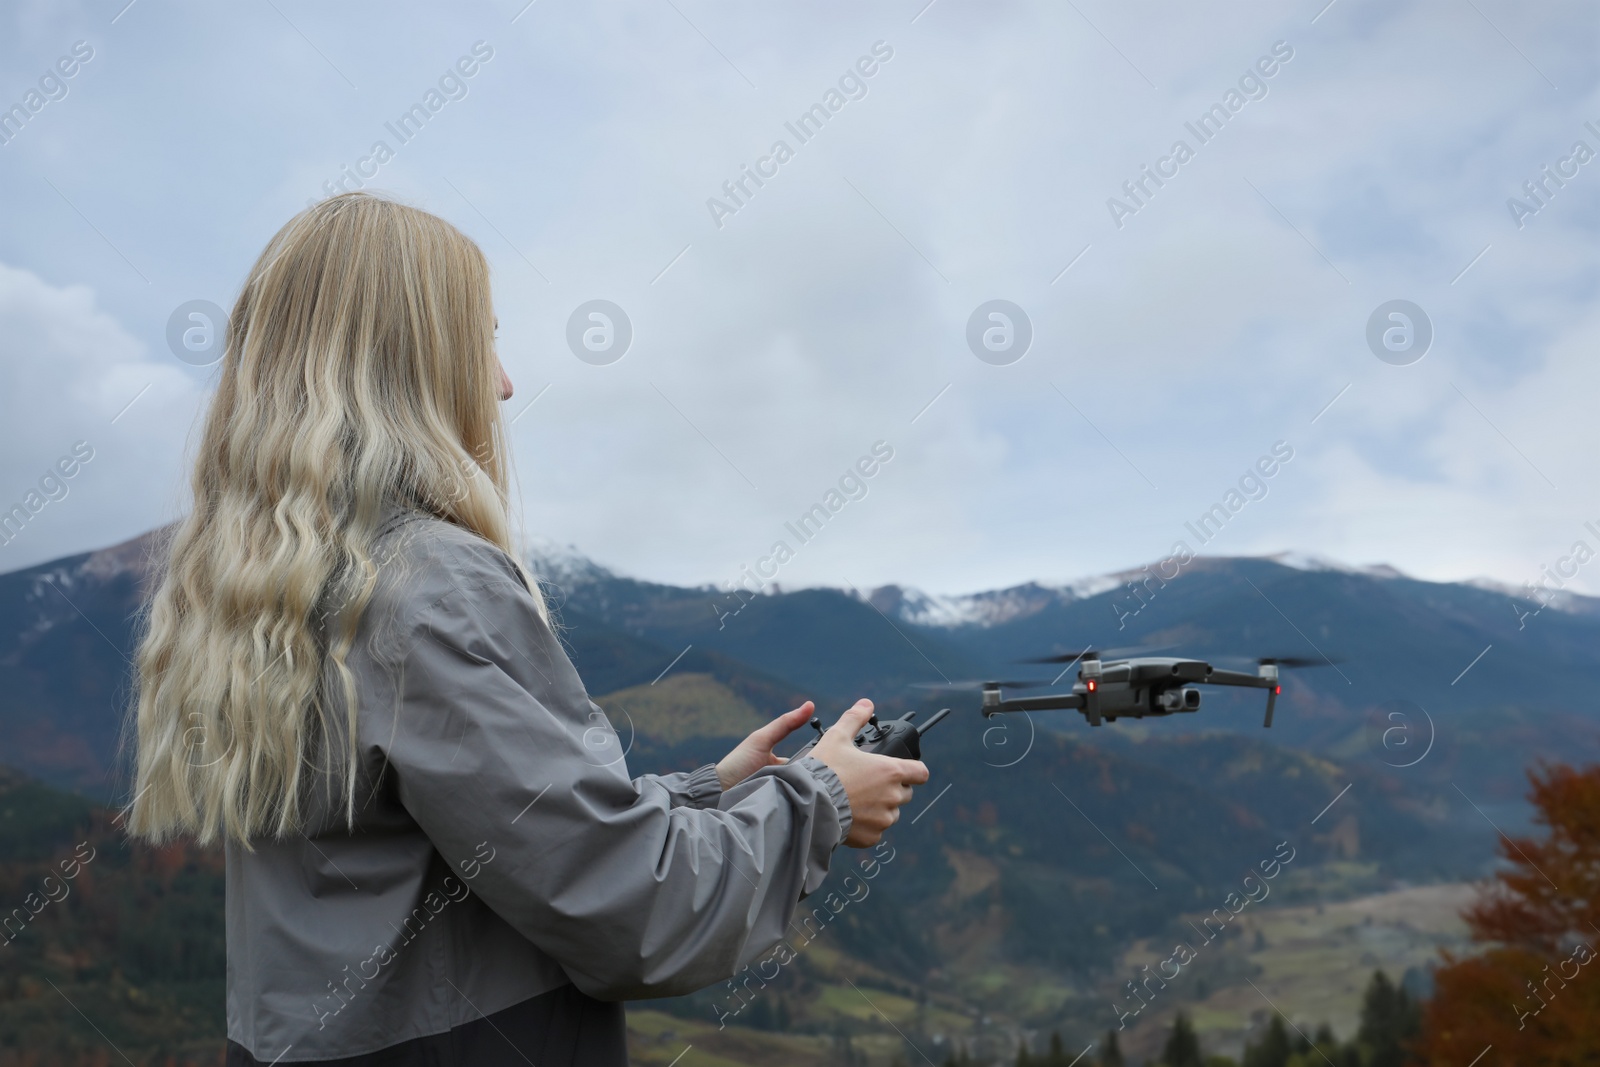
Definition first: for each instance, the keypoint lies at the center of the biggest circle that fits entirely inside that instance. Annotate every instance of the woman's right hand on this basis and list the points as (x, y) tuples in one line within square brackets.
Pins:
[(876, 785)]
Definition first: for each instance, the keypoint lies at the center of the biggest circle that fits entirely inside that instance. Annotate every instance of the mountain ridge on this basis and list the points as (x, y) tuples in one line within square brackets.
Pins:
[(564, 564), (1500, 686)]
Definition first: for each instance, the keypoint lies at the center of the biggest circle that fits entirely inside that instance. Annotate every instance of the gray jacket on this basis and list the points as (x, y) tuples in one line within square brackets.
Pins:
[(501, 852)]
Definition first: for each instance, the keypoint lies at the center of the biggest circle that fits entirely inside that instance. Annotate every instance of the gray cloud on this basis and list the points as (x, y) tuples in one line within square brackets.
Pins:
[(831, 308)]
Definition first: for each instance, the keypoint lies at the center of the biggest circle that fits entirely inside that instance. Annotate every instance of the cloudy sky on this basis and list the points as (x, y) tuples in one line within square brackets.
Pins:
[(1175, 339)]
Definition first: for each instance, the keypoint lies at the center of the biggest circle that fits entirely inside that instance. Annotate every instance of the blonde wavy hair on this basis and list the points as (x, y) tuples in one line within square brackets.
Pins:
[(359, 371)]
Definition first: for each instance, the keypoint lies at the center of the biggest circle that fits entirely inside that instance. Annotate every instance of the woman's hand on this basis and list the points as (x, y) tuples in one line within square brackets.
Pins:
[(876, 785), (755, 751)]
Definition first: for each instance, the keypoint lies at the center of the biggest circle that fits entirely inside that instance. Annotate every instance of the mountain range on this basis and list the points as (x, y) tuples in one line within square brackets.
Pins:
[(1042, 847)]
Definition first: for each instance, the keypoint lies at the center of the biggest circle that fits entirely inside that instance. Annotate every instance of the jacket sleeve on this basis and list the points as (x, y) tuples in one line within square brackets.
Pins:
[(639, 888), (699, 788)]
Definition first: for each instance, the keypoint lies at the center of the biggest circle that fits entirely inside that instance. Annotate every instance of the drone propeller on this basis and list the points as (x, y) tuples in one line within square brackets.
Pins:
[(1099, 654), (1297, 661), (979, 683)]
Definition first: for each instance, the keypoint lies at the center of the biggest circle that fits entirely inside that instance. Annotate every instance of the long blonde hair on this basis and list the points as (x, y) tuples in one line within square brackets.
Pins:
[(359, 371)]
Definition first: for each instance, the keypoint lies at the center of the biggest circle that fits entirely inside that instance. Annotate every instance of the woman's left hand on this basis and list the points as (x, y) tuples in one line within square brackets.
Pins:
[(755, 751)]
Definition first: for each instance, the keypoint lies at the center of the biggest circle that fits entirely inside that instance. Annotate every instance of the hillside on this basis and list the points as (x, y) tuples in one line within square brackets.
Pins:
[(1011, 903), (1312, 960), (104, 943), (683, 707), (1027, 876), (66, 630), (1482, 685)]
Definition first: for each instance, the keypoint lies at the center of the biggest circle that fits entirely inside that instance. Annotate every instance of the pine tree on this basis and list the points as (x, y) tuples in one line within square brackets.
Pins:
[(844, 1049), (1272, 1050), (1389, 1018), (780, 1020), (1183, 1045), (1111, 1051), (958, 1057)]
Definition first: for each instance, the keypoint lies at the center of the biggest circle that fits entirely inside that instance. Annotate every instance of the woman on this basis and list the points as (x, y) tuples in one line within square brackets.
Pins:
[(347, 677)]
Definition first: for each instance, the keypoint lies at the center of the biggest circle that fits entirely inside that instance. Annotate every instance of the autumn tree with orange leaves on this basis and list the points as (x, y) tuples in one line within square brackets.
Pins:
[(1533, 996)]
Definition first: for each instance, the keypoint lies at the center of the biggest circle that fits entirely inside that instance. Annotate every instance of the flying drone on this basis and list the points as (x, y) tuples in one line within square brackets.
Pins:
[(1137, 688)]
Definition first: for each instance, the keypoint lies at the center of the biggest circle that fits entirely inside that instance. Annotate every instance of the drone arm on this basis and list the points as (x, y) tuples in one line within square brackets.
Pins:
[(1267, 679), (1249, 681), (1055, 702)]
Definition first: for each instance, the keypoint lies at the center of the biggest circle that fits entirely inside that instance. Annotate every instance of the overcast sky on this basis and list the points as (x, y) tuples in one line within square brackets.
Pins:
[(777, 337)]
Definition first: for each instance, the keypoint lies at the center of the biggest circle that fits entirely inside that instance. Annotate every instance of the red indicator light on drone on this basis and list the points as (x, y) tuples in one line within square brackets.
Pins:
[(1276, 690), (1093, 685)]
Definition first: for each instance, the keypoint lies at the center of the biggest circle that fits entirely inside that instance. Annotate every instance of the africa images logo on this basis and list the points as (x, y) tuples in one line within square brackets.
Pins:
[(1252, 85), (852, 85)]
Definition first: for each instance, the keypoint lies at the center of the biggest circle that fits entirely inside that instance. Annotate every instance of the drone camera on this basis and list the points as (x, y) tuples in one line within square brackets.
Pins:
[(1185, 699)]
